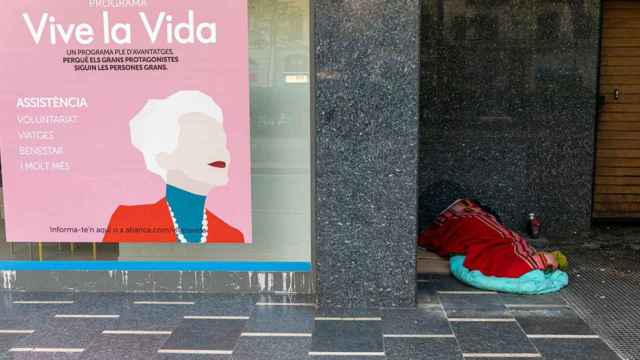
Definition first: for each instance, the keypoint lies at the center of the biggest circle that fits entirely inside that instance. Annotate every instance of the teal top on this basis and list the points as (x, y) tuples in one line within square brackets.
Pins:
[(188, 209)]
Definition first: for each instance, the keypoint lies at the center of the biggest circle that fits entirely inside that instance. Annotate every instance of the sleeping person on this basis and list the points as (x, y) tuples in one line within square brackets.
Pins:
[(466, 228)]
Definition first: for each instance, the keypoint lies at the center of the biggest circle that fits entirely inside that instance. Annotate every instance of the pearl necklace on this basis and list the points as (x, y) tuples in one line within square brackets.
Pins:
[(180, 235)]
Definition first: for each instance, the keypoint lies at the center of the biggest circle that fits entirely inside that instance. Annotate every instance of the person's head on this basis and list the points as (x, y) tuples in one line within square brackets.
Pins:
[(183, 141)]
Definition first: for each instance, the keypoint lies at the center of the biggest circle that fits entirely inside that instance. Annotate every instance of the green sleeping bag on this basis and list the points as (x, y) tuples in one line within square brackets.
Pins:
[(531, 283)]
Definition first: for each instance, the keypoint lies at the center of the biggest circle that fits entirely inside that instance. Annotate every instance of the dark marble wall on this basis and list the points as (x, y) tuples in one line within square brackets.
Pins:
[(366, 105), (508, 99)]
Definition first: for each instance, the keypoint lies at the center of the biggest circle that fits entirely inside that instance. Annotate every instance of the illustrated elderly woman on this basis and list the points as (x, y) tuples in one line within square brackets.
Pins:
[(183, 141)]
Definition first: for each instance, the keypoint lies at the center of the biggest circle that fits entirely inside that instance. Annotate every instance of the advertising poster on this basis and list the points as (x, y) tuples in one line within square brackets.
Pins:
[(125, 121)]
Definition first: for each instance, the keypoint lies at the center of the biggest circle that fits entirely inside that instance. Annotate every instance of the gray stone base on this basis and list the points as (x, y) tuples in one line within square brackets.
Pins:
[(161, 281)]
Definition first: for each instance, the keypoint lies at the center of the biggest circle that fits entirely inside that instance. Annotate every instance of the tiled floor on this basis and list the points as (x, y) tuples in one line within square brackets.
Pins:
[(452, 322), (605, 291)]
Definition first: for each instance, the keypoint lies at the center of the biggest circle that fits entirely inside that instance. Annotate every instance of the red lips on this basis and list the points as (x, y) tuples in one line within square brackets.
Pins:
[(218, 164)]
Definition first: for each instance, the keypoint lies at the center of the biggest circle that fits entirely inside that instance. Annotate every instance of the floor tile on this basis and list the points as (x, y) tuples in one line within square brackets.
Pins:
[(194, 304), (415, 321), (192, 357), (44, 356), (551, 321), (347, 336), (282, 319), (100, 303), (422, 349), (271, 348), (205, 335), (426, 293), (66, 333), (7, 341), (491, 337), (146, 324), (505, 357), (222, 305), (343, 357), (348, 312), (33, 315), (574, 349), (547, 299), (16, 324), (443, 282), (474, 306), (535, 314), (167, 310), (144, 317), (124, 347)]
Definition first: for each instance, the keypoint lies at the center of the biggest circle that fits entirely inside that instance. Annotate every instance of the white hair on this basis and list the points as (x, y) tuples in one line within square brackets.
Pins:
[(155, 128)]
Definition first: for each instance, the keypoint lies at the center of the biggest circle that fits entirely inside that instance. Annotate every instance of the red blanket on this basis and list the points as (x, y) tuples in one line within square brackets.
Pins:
[(464, 228)]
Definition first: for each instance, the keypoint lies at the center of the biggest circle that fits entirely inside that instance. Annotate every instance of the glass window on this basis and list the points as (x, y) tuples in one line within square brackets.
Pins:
[(279, 50)]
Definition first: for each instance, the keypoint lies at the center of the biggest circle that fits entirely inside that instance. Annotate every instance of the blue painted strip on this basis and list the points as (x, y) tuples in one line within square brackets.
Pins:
[(222, 266)]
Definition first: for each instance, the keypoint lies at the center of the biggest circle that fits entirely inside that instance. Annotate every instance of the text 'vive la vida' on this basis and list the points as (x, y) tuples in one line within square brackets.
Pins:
[(165, 27)]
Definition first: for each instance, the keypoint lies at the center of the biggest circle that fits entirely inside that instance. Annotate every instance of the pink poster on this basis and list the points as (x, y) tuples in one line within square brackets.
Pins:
[(125, 121)]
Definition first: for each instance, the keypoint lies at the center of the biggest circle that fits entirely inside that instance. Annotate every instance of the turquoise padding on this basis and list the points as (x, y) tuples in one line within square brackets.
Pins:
[(532, 283)]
